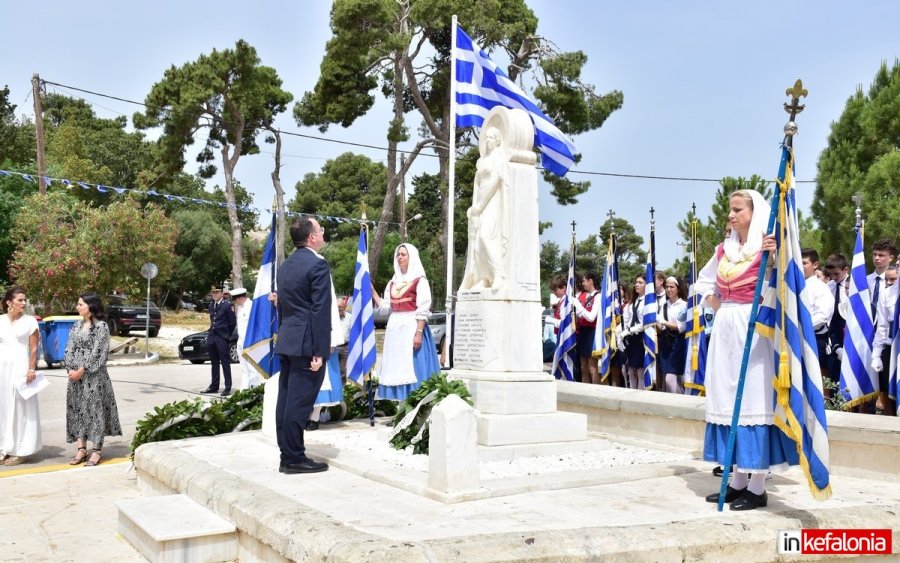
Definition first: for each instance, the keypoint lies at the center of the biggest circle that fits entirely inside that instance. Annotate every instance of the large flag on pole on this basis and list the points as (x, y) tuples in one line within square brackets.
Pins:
[(785, 317), (609, 316), (648, 319), (695, 330), (361, 355), (262, 327), (894, 366), (859, 382), (480, 85), (563, 359)]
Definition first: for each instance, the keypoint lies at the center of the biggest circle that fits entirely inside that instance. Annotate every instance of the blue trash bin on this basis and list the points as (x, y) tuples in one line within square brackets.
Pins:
[(54, 337)]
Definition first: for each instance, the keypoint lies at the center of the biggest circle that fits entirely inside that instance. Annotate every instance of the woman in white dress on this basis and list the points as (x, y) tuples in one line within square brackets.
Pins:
[(20, 419), (409, 356)]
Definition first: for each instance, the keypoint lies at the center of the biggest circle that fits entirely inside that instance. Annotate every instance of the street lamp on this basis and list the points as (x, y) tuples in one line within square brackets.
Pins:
[(403, 234)]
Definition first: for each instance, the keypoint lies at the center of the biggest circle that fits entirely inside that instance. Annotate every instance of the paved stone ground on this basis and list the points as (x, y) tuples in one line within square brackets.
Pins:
[(65, 515)]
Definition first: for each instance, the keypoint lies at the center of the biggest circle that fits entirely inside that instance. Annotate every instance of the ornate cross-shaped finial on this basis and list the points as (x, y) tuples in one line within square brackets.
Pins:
[(857, 199), (797, 92), (611, 215), (694, 210), (573, 226), (652, 219)]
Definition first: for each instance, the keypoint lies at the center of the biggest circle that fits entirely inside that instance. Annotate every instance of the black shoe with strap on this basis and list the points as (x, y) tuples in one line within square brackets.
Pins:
[(749, 501)]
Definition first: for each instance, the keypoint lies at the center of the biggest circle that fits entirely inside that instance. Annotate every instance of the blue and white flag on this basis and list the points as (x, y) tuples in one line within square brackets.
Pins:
[(648, 319), (609, 316), (894, 366), (859, 382), (695, 333), (563, 359), (361, 355), (481, 85), (784, 316), (262, 328)]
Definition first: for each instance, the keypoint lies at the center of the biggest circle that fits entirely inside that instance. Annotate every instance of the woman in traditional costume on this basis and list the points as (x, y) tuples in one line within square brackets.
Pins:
[(731, 276), (409, 357)]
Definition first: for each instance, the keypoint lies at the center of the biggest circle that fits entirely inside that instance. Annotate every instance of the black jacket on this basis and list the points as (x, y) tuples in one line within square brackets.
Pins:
[(304, 305), (222, 321)]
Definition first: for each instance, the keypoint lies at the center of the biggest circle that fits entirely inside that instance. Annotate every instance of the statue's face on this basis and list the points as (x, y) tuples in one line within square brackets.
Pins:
[(492, 138)]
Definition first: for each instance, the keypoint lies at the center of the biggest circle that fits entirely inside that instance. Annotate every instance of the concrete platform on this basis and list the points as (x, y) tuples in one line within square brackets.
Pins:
[(640, 513)]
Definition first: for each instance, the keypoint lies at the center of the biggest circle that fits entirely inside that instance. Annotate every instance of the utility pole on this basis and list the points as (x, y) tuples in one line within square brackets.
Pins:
[(39, 131), (403, 199)]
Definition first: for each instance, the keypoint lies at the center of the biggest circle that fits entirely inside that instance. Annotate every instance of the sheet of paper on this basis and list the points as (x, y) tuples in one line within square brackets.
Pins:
[(27, 391)]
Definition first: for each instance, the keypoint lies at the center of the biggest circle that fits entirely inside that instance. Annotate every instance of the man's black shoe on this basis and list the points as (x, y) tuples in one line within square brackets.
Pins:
[(731, 495), (226, 392), (717, 471), (210, 390), (305, 466), (312, 425), (749, 501)]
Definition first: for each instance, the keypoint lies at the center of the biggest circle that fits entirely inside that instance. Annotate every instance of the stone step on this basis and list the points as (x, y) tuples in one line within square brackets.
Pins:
[(508, 429), (175, 528)]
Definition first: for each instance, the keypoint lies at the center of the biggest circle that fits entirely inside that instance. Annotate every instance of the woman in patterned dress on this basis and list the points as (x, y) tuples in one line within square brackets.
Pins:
[(91, 412)]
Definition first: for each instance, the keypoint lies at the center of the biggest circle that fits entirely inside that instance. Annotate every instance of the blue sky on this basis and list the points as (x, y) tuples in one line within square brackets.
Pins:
[(703, 83)]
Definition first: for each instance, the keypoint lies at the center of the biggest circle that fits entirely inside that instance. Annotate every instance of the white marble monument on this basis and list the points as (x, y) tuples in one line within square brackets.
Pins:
[(497, 338)]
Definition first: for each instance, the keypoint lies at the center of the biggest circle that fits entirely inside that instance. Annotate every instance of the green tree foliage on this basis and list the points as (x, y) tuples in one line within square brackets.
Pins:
[(338, 191), (234, 97), (17, 148), (711, 232), (202, 251), (862, 157), (404, 47), (65, 247)]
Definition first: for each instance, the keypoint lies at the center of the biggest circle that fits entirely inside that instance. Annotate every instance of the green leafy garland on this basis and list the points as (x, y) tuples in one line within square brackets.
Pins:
[(356, 404), (192, 418), (416, 433)]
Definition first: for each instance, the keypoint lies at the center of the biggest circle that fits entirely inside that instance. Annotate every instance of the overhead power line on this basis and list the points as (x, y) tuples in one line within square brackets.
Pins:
[(382, 148)]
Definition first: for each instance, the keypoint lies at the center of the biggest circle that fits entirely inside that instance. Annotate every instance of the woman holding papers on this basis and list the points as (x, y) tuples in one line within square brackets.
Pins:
[(409, 356), (731, 276), (91, 412), (20, 419)]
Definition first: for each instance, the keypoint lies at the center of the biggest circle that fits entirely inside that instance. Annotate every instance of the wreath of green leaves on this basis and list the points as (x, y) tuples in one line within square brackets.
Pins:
[(416, 433)]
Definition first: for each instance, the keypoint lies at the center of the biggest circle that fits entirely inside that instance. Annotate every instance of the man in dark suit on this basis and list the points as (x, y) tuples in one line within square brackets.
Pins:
[(222, 323), (304, 341)]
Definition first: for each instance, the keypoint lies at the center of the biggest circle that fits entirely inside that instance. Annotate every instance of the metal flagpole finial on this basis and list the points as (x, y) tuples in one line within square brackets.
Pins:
[(652, 219), (611, 215), (857, 199), (793, 108), (694, 210)]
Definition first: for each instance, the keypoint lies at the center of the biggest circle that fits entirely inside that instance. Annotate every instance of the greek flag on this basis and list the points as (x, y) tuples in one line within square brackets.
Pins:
[(481, 85), (695, 332), (859, 382), (784, 316), (648, 318), (563, 361), (610, 316), (262, 328), (361, 356), (894, 366)]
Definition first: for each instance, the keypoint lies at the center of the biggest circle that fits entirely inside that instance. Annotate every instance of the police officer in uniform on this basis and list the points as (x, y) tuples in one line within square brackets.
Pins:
[(222, 323)]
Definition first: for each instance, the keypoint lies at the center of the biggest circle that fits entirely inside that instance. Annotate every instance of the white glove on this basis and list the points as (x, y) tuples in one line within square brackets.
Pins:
[(620, 340), (877, 364), (840, 353)]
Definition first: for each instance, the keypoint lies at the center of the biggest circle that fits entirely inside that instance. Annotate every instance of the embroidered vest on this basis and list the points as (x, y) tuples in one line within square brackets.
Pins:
[(588, 302), (403, 296), (737, 281)]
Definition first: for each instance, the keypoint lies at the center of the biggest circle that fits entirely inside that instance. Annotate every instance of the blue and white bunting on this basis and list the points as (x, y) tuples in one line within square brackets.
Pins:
[(262, 327), (859, 382), (563, 366), (784, 316), (361, 355), (481, 85)]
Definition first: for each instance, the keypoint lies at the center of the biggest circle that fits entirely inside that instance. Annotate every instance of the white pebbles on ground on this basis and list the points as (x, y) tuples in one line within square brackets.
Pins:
[(371, 443)]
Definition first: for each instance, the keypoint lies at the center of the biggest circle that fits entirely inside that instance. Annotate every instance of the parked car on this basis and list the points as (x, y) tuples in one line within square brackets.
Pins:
[(193, 348), (124, 315), (437, 322)]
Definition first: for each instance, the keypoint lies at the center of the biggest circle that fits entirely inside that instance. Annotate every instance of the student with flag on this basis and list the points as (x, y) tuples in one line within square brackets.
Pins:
[(731, 274), (884, 354), (630, 338)]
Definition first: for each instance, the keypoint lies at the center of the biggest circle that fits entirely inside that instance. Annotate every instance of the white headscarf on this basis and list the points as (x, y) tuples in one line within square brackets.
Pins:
[(758, 224), (414, 269)]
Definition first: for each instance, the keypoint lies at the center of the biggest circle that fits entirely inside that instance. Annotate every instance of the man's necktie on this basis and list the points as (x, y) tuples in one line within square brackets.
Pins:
[(875, 295)]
